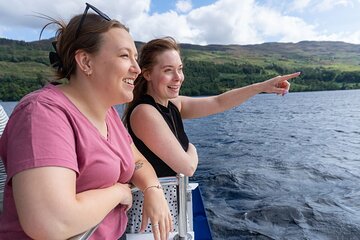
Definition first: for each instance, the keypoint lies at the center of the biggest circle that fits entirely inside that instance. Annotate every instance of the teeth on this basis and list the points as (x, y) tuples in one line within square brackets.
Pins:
[(174, 87), (129, 81)]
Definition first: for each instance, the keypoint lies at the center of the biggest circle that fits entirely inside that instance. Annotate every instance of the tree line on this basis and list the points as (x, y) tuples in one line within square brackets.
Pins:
[(206, 78), (24, 67)]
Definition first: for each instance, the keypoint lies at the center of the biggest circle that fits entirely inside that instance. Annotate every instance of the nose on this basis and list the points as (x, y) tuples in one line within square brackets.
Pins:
[(178, 76), (135, 68)]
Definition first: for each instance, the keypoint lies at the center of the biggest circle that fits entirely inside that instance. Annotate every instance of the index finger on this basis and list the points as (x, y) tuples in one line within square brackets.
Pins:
[(289, 76)]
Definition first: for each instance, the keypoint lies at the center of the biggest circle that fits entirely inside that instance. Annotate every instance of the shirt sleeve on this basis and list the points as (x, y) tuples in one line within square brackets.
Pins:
[(40, 135)]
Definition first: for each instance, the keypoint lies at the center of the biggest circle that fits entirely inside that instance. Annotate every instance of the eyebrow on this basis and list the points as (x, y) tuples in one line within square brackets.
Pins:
[(166, 66)]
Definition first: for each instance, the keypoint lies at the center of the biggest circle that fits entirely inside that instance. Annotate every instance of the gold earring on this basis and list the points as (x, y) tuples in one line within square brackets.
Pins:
[(87, 73)]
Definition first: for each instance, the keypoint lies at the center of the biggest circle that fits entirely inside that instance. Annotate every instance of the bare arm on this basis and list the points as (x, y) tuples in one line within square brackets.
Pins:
[(155, 205), (201, 107), (149, 126), (49, 208)]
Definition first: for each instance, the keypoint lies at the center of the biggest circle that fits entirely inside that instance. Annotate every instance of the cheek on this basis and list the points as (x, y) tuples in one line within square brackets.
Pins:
[(164, 79)]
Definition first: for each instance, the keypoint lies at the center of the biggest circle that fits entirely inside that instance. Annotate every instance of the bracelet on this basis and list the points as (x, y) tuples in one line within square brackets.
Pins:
[(152, 186)]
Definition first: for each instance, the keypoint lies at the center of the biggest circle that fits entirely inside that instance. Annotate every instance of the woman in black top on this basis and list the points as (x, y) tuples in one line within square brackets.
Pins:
[(172, 117), (154, 117)]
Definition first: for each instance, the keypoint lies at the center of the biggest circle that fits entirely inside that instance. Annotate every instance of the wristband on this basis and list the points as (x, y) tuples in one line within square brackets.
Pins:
[(152, 186)]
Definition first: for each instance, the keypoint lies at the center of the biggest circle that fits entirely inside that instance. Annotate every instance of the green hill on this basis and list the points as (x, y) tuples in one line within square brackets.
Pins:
[(210, 69)]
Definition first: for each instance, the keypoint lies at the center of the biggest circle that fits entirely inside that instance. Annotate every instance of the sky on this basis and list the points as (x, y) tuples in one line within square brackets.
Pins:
[(200, 22)]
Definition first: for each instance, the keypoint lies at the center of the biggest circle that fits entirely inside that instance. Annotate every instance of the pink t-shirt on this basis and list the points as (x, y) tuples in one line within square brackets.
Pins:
[(46, 129)]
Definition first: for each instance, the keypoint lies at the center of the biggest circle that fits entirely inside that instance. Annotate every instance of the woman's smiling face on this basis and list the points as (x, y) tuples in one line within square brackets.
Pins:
[(116, 67), (166, 77)]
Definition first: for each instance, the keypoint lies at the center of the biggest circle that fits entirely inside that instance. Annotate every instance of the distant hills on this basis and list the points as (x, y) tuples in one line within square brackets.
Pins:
[(210, 69)]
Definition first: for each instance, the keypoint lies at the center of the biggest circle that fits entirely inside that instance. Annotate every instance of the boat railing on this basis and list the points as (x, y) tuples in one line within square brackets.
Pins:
[(183, 182), (84, 236), (184, 208)]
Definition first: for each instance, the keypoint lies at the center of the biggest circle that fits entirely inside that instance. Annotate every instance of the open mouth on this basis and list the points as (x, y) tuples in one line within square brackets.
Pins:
[(129, 81), (174, 87)]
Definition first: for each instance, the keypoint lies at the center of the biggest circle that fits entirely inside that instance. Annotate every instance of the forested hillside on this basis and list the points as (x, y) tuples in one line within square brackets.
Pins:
[(211, 69)]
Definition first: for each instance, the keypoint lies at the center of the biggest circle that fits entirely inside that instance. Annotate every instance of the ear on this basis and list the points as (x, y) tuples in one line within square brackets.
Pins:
[(146, 74), (82, 59)]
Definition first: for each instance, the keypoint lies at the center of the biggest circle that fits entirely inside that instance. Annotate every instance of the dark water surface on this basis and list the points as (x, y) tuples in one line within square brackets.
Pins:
[(281, 167)]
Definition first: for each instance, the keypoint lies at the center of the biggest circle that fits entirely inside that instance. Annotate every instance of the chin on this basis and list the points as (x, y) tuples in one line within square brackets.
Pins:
[(174, 95), (129, 98), (126, 98)]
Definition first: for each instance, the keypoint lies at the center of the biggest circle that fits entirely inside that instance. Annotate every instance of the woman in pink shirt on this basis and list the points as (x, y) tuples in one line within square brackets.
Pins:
[(68, 158)]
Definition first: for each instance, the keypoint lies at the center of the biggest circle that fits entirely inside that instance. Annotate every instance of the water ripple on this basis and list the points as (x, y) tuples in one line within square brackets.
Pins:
[(282, 168)]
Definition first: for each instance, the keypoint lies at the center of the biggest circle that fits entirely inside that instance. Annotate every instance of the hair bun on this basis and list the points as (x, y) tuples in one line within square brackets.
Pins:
[(54, 58)]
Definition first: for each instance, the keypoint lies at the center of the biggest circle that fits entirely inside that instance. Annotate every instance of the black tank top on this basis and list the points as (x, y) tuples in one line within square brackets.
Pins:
[(172, 117)]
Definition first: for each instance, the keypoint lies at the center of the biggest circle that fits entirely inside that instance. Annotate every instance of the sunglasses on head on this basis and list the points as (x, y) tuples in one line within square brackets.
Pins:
[(100, 13)]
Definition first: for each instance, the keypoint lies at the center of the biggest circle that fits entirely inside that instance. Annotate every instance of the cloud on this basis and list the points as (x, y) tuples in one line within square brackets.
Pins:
[(299, 5), (222, 22), (22, 13), (246, 22), (183, 6), (327, 5), (145, 27), (249, 22)]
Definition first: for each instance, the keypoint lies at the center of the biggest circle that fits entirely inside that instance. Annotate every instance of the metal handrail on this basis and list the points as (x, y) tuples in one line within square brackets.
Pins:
[(182, 206), (86, 235), (181, 181)]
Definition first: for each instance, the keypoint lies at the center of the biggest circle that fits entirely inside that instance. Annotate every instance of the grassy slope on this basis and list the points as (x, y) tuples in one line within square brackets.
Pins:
[(26, 63)]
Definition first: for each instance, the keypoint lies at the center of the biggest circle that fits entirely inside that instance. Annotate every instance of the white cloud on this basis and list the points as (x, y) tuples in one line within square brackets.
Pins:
[(145, 27), (223, 22), (21, 12), (326, 5), (226, 21), (353, 37), (299, 5), (288, 29), (183, 6), (246, 22)]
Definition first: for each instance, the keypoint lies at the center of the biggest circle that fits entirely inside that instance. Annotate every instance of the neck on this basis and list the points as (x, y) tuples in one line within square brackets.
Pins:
[(88, 103), (159, 100)]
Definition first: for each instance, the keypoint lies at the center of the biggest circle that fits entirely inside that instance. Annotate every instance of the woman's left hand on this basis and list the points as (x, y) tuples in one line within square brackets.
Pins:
[(156, 208), (279, 84)]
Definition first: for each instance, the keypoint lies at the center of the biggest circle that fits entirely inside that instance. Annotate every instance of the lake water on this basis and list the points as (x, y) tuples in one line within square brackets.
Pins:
[(281, 167)]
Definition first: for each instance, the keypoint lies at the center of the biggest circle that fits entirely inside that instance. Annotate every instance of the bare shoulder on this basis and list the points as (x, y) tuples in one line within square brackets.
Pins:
[(147, 122), (144, 112)]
